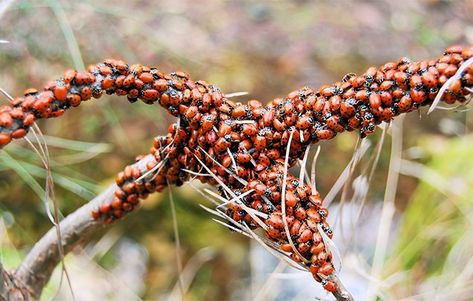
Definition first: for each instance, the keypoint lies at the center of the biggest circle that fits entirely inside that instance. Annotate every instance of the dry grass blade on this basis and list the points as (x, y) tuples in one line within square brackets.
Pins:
[(43, 153), (333, 249), (274, 251), (203, 194), (388, 209), (283, 200), (243, 228), (252, 212), (379, 147), (313, 181), (156, 169), (198, 174), (436, 180), (343, 197), (86, 150), (232, 228), (49, 195), (263, 291), (238, 227), (303, 172), (233, 159), (229, 191), (238, 201), (462, 107), (177, 242), (357, 155), (253, 162), (242, 181), (68, 34), (215, 212), (361, 186), (447, 84), (189, 272), (236, 94), (244, 121), (22, 172)]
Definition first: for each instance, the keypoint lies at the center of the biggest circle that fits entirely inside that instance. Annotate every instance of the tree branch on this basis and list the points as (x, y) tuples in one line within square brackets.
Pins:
[(76, 229), (35, 271), (341, 294)]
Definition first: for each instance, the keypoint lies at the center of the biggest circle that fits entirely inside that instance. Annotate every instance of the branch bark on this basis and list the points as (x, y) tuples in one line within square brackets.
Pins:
[(3, 286), (10, 289), (341, 294)]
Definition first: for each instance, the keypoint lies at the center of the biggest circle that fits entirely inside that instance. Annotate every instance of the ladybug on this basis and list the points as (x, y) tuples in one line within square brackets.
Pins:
[(347, 108), (375, 101), (405, 104), (329, 285), (207, 123), (303, 123), (260, 142), (60, 91)]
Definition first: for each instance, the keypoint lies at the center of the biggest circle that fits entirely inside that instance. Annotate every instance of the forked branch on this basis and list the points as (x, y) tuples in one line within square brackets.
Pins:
[(28, 281)]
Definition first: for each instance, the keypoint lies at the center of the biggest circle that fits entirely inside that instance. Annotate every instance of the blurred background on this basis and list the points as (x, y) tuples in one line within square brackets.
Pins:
[(265, 48)]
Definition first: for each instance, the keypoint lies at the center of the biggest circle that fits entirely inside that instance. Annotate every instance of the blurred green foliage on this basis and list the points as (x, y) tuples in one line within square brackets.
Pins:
[(434, 237)]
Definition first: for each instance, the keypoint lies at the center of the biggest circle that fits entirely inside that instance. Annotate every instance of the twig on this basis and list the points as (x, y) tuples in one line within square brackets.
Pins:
[(9, 288), (341, 294), (39, 264), (3, 288)]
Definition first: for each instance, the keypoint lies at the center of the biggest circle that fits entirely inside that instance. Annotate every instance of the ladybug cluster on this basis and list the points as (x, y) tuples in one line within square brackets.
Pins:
[(243, 146)]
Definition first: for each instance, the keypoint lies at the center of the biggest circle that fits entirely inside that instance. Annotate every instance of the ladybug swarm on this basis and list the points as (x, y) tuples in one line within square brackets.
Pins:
[(244, 145)]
